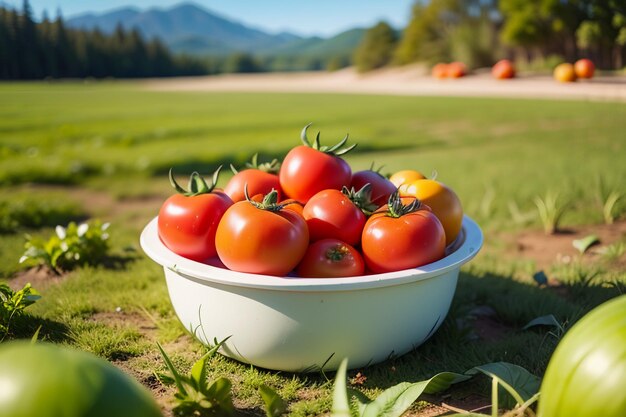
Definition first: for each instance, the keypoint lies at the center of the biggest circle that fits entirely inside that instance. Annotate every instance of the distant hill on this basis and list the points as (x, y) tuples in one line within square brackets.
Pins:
[(192, 29)]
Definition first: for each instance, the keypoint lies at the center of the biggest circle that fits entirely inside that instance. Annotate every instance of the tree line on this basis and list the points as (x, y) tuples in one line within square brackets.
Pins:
[(32, 50), (480, 32)]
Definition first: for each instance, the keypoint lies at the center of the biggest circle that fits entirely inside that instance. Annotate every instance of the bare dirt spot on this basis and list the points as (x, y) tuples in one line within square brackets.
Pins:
[(40, 277), (546, 250), (412, 80)]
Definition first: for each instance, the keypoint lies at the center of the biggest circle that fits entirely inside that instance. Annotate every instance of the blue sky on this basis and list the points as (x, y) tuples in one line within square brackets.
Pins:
[(304, 17)]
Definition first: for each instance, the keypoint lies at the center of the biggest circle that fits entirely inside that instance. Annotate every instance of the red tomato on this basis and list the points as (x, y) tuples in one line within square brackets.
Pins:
[(259, 178), (310, 168), (188, 220), (331, 258), (403, 237), (261, 238), (382, 188), (331, 214)]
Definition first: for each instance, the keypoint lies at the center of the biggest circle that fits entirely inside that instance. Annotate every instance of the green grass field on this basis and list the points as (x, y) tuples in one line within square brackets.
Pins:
[(103, 150)]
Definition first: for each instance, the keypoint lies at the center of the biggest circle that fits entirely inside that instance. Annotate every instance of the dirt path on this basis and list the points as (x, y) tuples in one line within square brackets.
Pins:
[(405, 81)]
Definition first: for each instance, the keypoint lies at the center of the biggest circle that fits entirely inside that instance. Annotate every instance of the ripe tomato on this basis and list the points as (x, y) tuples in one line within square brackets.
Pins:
[(188, 220), (503, 70), (382, 188), (310, 168), (331, 258), (43, 379), (259, 178), (443, 202), (333, 214), (402, 237), (456, 70), (291, 204), (402, 179), (261, 238)]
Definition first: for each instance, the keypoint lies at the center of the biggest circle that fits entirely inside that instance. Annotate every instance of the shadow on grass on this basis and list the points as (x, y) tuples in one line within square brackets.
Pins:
[(25, 326)]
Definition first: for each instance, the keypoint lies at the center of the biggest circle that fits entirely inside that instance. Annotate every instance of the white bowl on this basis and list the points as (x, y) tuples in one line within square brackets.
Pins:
[(306, 324)]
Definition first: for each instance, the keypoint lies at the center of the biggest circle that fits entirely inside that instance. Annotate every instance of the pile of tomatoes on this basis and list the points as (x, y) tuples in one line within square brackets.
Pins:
[(312, 216)]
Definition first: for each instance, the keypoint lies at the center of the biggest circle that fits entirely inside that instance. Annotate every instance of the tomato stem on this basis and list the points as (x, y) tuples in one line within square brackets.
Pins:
[(271, 167), (395, 207), (269, 202), (335, 150), (197, 185), (337, 253), (361, 198)]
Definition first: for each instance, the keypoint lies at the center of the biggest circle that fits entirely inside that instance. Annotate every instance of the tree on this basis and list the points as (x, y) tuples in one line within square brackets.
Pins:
[(376, 48), (241, 62)]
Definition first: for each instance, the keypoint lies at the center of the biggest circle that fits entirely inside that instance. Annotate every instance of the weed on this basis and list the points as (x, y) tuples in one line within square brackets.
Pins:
[(551, 209), (522, 388), (75, 245), (195, 396), (12, 305), (614, 251), (608, 200)]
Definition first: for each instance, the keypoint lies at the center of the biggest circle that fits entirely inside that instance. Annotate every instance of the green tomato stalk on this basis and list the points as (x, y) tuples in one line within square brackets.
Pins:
[(335, 150)]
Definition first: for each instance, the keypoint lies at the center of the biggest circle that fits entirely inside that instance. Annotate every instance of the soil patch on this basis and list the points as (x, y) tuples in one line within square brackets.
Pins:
[(411, 80), (40, 277), (546, 250)]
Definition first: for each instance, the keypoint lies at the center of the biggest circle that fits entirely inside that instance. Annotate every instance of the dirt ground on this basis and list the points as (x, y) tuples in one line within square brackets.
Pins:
[(413, 80)]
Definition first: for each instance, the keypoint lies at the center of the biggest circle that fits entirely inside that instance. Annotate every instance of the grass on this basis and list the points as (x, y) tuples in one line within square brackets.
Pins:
[(118, 140)]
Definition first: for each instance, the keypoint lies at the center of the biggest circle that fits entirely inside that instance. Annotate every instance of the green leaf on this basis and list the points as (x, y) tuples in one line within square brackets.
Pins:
[(172, 369), (198, 373), (548, 320), (394, 401), (341, 402), (525, 384), (219, 394), (585, 243), (274, 405)]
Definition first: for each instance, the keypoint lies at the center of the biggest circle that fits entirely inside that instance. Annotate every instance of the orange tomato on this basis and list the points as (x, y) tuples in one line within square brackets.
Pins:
[(443, 202), (261, 240), (503, 70), (565, 73), (405, 177), (440, 70), (456, 70), (584, 68)]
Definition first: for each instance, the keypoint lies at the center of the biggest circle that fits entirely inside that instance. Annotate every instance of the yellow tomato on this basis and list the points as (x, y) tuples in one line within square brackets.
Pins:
[(444, 203), (402, 179)]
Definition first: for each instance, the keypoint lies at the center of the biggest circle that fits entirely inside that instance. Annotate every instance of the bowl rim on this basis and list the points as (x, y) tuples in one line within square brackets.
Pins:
[(471, 242)]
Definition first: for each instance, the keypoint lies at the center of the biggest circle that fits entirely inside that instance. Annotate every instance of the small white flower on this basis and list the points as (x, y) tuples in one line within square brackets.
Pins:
[(77, 256), (104, 236), (23, 258), (60, 232), (64, 246), (82, 229), (105, 226)]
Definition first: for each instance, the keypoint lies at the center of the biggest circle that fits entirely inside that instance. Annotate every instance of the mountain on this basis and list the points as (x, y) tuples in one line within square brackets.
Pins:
[(186, 28), (192, 29), (342, 44)]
